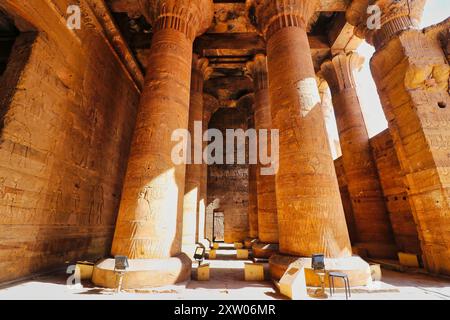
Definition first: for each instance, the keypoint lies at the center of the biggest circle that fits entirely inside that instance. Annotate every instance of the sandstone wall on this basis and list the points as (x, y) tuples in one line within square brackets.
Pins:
[(392, 179), (228, 184), (68, 108)]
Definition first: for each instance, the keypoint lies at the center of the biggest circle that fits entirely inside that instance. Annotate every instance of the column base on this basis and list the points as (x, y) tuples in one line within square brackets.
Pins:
[(376, 250), (144, 273), (265, 250), (249, 242), (357, 269)]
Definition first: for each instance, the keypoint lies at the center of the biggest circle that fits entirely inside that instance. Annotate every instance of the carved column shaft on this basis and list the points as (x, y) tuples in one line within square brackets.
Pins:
[(373, 227), (150, 215), (194, 172), (252, 192), (203, 198), (266, 198), (310, 214)]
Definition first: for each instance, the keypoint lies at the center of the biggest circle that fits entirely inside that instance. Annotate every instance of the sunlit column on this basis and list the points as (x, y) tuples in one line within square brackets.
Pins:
[(193, 208), (149, 223), (373, 227)]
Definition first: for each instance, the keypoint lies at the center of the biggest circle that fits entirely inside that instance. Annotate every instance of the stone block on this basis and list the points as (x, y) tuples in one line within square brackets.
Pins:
[(242, 254), (408, 260), (212, 254), (203, 272), (375, 271), (254, 272), (293, 284), (85, 269), (357, 269)]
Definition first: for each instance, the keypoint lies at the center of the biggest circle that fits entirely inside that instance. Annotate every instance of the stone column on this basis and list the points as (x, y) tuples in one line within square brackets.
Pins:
[(411, 74), (327, 107), (149, 223), (252, 195), (310, 214), (373, 227), (210, 106), (194, 170), (203, 198), (266, 198)]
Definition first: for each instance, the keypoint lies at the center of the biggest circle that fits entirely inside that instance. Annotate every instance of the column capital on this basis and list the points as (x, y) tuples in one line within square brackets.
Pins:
[(190, 17), (396, 16), (201, 71), (338, 72), (201, 65), (257, 71), (273, 15)]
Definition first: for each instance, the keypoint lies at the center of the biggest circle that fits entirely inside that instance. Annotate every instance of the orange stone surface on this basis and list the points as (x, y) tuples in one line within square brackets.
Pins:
[(373, 228), (192, 205), (266, 198), (310, 213), (149, 223)]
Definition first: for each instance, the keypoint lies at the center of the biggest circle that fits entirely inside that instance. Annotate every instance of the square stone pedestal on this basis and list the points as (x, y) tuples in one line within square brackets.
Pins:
[(212, 254), (357, 270), (203, 272), (293, 284), (254, 272), (86, 269), (408, 260), (242, 254)]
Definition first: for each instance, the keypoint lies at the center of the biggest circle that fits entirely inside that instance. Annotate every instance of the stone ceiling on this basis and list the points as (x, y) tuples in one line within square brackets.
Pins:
[(232, 39)]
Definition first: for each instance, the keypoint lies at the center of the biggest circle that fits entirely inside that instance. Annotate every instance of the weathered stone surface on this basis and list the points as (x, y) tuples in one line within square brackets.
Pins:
[(346, 200), (192, 18), (373, 228), (396, 15), (192, 198), (357, 270), (69, 101), (411, 73), (266, 198), (68, 108), (395, 191), (253, 226), (310, 214), (149, 224), (228, 185)]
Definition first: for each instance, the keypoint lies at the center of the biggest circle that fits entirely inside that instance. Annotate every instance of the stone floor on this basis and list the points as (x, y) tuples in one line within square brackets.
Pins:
[(227, 283)]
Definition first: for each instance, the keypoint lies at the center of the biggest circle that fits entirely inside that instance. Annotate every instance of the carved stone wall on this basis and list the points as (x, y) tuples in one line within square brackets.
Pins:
[(411, 73), (228, 185), (392, 180), (68, 112)]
